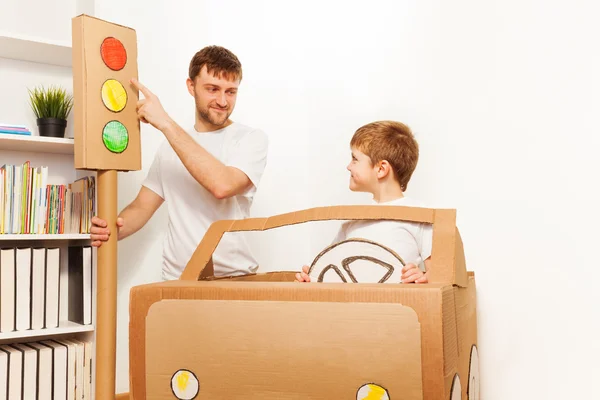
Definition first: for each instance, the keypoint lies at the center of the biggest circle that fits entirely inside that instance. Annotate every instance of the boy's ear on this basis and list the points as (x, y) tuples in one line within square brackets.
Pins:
[(383, 169)]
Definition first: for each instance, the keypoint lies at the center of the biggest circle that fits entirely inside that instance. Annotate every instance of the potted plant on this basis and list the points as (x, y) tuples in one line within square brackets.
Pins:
[(52, 107)]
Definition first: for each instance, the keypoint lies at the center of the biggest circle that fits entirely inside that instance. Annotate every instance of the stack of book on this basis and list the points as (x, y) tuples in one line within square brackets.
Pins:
[(30, 287), (14, 129), (49, 369), (29, 204)]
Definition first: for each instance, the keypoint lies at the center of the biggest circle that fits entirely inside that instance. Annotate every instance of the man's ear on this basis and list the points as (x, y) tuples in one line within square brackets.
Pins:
[(190, 86), (383, 169)]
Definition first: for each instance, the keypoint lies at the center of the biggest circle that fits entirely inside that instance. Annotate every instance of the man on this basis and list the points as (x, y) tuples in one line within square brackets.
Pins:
[(206, 173)]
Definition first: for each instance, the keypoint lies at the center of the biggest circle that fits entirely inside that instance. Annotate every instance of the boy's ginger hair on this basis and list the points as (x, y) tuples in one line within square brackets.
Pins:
[(390, 141)]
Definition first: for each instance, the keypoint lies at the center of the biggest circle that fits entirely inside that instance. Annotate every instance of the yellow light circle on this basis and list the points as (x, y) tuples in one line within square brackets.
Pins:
[(372, 391), (114, 95), (185, 385)]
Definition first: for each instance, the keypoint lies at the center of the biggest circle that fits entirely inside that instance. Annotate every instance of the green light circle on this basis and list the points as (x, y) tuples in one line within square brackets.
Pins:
[(115, 137)]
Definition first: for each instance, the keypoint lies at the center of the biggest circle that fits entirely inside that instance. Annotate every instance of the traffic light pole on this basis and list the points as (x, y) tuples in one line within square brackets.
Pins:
[(106, 300)]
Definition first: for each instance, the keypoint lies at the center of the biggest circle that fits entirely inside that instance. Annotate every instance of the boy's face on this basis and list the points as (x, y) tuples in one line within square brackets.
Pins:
[(363, 174), (215, 97)]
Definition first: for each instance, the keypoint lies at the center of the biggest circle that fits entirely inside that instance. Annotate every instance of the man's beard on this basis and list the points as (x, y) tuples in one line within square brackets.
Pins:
[(207, 116)]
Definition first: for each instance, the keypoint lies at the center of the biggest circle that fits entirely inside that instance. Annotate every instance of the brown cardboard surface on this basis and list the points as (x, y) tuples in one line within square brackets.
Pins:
[(446, 309), (283, 276), (106, 301), (286, 349), (90, 114), (427, 301), (447, 259), (466, 321)]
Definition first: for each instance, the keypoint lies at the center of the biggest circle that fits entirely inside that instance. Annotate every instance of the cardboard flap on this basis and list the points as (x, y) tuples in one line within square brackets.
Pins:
[(326, 351), (447, 258)]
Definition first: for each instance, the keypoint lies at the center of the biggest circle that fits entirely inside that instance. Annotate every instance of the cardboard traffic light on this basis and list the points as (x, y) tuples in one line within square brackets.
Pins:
[(107, 139), (107, 130)]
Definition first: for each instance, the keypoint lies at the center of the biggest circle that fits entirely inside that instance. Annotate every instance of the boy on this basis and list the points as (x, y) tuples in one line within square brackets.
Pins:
[(384, 156)]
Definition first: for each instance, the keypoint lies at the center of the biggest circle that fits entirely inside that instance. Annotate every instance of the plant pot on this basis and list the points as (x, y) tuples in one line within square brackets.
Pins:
[(53, 127)]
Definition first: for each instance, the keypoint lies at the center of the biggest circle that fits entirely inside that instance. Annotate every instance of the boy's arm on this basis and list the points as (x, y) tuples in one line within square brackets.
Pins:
[(303, 276), (413, 274)]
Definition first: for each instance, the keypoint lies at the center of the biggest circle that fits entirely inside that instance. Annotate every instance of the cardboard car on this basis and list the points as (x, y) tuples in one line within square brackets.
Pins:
[(264, 336)]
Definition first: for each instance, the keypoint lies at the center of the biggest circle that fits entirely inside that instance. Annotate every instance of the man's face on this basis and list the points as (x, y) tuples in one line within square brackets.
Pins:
[(363, 174), (215, 97)]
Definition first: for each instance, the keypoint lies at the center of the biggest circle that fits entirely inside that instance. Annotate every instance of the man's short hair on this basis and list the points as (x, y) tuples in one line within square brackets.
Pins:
[(219, 61)]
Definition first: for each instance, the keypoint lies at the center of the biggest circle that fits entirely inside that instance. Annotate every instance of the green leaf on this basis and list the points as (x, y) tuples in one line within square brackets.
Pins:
[(53, 102)]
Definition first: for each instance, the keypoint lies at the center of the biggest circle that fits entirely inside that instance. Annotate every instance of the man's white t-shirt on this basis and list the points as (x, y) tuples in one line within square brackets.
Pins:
[(410, 240), (192, 208)]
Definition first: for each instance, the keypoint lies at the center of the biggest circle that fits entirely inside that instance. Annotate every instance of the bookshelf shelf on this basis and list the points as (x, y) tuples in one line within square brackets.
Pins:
[(37, 144), (65, 327), (27, 48), (64, 236), (51, 60)]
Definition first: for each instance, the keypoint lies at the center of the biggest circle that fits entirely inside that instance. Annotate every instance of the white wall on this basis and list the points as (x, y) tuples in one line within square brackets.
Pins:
[(48, 20), (502, 97)]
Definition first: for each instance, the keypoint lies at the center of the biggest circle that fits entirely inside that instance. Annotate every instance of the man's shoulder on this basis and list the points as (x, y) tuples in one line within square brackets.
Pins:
[(163, 147), (240, 130)]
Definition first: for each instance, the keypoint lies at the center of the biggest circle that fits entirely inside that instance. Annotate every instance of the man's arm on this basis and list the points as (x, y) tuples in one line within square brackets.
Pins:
[(139, 212), (220, 180), (130, 220)]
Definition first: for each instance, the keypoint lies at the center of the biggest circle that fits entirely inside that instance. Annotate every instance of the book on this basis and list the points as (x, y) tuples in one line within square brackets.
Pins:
[(44, 371), (2, 124), (15, 371), (80, 284), (38, 288), (29, 370), (52, 287), (7, 290), (29, 204), (59, 372), (23, 279), (15, 132)]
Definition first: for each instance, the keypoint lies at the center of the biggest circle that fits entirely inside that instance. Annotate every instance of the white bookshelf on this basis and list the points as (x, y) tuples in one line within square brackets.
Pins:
[(64, 327), (33, 49), (28, 61), (44, 237), (58, 155), (23, 47), (36, 144)]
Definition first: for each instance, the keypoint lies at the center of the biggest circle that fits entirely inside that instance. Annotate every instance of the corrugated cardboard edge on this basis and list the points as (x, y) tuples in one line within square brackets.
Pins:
[(103, 20), (448, 260), (449, 330), (426, 300), (465, 336), (79, 97), (283, 276)]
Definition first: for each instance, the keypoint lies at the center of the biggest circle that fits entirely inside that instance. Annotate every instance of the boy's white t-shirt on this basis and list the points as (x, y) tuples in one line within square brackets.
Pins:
[(192, 208), (410, 240)]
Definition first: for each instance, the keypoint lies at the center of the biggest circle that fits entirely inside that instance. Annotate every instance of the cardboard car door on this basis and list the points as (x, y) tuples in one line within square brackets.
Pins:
[(280, 350)]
